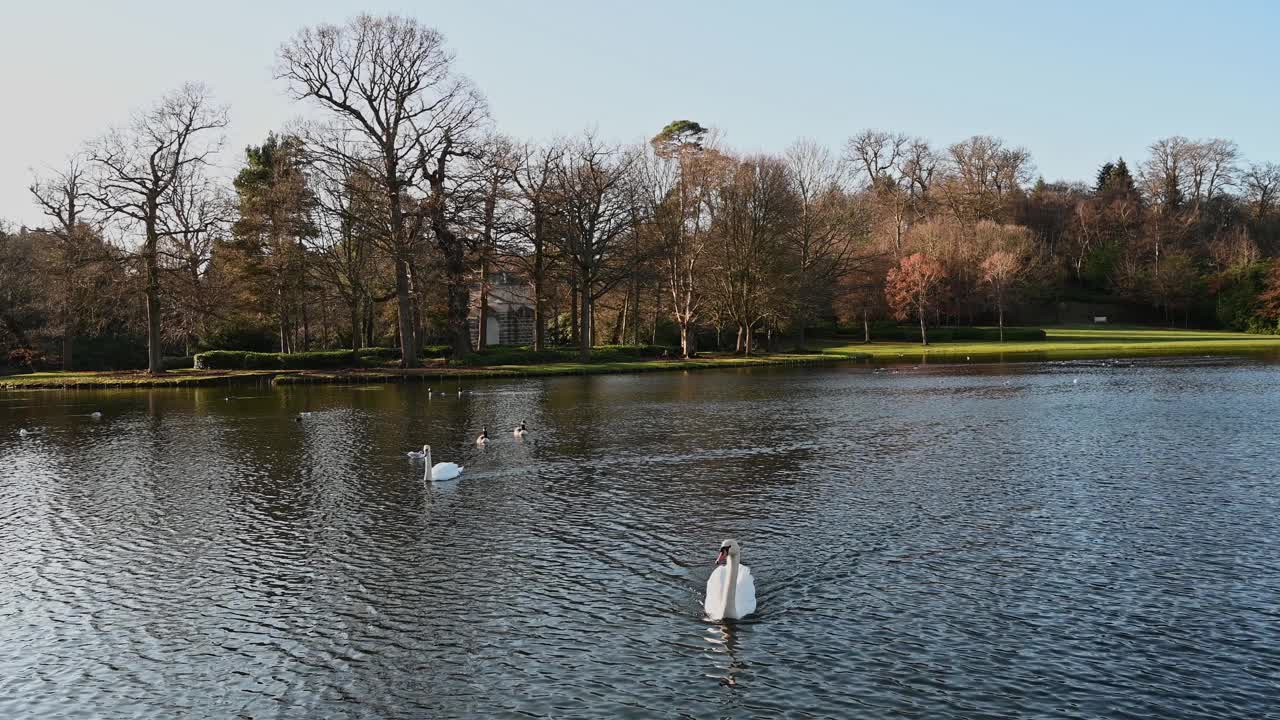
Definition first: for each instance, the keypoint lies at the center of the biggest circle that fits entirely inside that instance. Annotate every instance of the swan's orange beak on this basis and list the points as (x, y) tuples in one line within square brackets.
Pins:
[(723, 556)]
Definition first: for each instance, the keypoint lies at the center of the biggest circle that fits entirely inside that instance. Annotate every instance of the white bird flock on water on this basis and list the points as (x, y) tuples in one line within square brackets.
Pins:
[(731, 591)]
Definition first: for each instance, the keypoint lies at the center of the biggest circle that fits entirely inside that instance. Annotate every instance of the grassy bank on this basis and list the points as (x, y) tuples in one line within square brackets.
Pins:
[(1059, 343), (435, 373), (1067, 343)]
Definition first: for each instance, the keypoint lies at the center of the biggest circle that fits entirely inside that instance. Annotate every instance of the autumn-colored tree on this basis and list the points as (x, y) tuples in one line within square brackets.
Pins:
[(1269, 299), (915, 286), (1000, 271)]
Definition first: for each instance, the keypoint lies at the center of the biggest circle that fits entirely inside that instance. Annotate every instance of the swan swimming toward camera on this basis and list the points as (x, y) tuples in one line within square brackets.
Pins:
[(484, 437), (521, 431), (731, 591), (440, 471)]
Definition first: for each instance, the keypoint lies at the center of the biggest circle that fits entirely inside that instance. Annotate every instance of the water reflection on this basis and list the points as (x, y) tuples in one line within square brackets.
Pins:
[(934, 542)]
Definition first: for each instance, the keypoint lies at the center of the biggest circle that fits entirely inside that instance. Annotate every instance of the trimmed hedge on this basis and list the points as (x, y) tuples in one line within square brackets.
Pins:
[(525, 355), (243, 360), (497, 355), (183, 362), (885, 332)]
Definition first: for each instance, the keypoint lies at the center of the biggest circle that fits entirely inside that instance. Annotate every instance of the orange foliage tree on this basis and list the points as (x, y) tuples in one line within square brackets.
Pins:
[(916, 285)]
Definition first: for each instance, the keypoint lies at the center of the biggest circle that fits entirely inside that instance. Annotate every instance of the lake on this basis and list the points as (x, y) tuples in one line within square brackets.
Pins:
[(1073, 540)]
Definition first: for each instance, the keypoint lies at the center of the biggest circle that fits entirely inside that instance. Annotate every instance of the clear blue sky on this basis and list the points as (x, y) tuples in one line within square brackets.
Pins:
[(1076, 83)]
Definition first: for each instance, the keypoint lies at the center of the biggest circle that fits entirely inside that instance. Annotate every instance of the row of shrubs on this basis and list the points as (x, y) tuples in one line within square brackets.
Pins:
[(887, 332), (314, 360), (525, 355), (373, 357)]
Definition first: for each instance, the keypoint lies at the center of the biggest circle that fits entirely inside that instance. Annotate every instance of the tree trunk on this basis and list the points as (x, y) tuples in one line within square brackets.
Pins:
[(621, 332), (1000, 312), (573, 314), (355, 324), (404, 315), (68, 337), (924, 338), (459, 300), (584, 334), (155, 365), (684, 340), (539, 313), (483, 311), (866, 328)]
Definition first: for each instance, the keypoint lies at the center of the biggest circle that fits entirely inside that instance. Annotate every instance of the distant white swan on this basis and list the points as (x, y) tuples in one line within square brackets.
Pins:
[(731, 591), (23, 432), (439, 471), (521, 431), (484, 436), (95, 415)]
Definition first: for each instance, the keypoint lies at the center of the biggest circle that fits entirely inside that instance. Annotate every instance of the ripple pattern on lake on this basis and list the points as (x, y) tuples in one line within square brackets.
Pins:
[(1071, 540)]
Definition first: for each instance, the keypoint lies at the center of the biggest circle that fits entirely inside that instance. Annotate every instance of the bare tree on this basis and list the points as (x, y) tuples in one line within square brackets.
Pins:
[(830, 232), (403, 115), (1000, 271), (1211, 168), (596, 212), (679, 177), (755, 210), (63, 197), (981, 174), (199, 216), (135, 170), (1261, 187), (533, 173)]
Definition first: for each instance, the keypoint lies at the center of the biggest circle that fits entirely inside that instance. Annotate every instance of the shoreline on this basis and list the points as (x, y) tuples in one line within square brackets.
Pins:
[(1060, 344), (368, 376)]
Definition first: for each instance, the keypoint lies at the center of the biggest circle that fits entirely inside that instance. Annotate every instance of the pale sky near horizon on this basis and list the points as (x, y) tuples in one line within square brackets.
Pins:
[(1075, 83)]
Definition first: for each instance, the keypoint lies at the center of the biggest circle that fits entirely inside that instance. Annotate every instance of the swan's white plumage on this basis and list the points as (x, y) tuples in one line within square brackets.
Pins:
[(440, 471), (745, 600), (445, 471)]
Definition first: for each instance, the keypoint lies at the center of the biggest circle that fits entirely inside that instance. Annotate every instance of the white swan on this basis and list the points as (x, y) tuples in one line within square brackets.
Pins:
[(484, 436), (439, 471), (418, 454), (521, 431), (731, 591), (95, 415)]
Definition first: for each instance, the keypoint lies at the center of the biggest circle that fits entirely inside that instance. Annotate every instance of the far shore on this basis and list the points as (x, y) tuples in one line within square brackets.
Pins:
[(1060, 343)]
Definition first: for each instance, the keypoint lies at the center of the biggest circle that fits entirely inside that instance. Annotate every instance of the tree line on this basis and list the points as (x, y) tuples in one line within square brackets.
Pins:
[(374, 222)]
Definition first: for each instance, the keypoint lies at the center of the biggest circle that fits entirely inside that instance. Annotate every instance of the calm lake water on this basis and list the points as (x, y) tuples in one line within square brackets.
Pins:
[(1079, 540)]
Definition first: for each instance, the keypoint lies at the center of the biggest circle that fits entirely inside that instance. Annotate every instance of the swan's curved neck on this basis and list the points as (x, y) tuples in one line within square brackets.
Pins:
[(731, 588)]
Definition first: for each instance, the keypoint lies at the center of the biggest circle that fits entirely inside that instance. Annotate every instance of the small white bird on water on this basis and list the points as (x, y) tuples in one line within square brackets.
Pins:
[(731, 591), (95, 415), (440, 471), (521, 431), (484, 437)]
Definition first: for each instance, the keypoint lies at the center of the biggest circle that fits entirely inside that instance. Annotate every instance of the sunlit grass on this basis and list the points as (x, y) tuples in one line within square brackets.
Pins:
[(1060, 343), (1070, 342)]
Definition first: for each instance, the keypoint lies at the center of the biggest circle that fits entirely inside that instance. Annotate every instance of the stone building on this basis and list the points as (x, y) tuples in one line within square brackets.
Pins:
[(510, 317)]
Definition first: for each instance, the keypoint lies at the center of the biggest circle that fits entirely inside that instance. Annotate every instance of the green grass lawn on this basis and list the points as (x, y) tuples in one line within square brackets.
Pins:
[(1068, 342), (1060, 343), (196, 378)]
